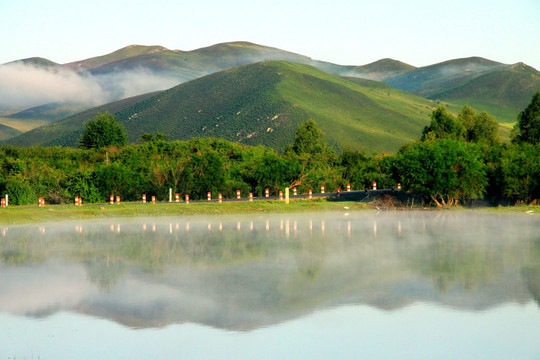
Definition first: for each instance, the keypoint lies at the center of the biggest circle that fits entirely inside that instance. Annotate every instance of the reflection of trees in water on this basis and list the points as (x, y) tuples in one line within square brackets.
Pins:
[(532, 279), (21, 250), (310, 255), (104, 273), (447, 259), (531, 274)]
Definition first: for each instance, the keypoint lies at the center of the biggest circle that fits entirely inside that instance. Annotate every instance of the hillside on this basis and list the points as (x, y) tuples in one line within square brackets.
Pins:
[(67, 127), (7, 132), (381, 69), (138, 69), (434, 79), (263, 103), (188, 65), (503, 93), (36, 62)]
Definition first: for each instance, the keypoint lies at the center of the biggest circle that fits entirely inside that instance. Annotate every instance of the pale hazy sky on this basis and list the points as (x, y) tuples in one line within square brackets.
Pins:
[(348, 32)]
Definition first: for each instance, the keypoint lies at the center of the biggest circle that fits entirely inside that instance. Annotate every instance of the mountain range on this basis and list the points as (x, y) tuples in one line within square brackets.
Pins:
[(377, 106)]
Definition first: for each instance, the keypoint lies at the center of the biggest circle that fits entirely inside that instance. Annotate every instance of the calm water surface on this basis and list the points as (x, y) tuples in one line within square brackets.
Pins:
[(405, 285)]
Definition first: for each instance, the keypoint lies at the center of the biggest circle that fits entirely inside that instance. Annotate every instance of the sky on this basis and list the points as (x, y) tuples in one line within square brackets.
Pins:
[(346, 32)]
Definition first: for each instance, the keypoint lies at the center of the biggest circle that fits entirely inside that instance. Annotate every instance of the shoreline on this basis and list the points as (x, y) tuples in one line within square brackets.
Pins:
[(33, 214)]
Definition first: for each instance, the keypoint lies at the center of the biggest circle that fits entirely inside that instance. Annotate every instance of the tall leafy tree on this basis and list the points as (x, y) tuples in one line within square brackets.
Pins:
[(103, 130), (315, 156), (443, 171), (527, 128), (443, 126), (478, 127)]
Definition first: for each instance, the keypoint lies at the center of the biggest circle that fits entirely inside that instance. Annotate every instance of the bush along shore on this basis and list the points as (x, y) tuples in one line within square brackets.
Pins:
[(457, 160)]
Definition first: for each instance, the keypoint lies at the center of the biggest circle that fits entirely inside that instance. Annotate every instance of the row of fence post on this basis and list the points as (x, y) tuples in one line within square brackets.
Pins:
[(4, 202)]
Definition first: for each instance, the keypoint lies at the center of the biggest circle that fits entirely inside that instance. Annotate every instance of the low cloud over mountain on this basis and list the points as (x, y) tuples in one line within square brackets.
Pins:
[(23, 86)]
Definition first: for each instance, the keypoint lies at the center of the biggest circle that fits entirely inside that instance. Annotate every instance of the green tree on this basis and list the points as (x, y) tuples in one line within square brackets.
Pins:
[(309, 139), (443, 126), (520, 165), (317, 160), (103, 130), (443, 171), (478, 127), (527, 128)]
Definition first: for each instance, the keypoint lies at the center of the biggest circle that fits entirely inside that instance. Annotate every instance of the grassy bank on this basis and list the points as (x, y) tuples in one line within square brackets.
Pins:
[(28, 214)]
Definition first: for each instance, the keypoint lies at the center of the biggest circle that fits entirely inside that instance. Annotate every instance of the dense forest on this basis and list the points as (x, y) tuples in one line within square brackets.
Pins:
[(455, 159)]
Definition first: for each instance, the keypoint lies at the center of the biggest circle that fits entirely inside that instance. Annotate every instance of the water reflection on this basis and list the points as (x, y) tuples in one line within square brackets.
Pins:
[(243, 277)]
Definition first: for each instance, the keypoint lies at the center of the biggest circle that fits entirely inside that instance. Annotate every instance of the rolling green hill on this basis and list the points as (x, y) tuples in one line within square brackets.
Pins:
[(7, 132), (188, 65), (67, 127), (430, 80), (503, 93), (36, 62), (181, 66), (263, 103), (381, 69)]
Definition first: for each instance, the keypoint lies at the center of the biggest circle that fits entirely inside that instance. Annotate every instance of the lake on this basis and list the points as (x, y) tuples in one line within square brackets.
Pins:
[(359, 285)]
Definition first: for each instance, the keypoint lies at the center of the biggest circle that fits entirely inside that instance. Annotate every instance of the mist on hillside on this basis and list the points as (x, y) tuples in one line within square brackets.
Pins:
[(24, 86)]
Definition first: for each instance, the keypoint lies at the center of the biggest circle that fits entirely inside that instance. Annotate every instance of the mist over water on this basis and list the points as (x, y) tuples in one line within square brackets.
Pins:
[(258, 272)]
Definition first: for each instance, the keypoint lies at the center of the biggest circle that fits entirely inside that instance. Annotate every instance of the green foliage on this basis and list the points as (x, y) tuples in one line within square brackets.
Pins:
[(527, 128), (310, 140), (443, 126), (520, 169), (103, 131), (443, 170), (20, 192), (478, 127), (361, 170)]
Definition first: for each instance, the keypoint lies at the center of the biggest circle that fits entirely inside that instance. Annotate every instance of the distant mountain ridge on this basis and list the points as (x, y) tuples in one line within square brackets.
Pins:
[(502, 90), (262, 104)]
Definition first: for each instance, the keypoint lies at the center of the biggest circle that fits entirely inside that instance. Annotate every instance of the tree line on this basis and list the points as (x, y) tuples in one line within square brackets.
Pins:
[(456, 159)]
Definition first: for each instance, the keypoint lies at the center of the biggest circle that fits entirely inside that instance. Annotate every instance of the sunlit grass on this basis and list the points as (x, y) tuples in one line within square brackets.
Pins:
[(25, 214)]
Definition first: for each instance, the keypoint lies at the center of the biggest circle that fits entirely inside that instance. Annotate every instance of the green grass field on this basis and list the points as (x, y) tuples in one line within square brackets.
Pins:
[(48, 213), (27, 214)]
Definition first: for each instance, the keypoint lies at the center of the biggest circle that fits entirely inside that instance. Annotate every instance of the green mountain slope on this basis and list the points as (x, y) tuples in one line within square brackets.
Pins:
[(263, 103), (49, 112), (434, 79), (381, 69), (503, 93), (188, 65), (69, 128), (38, 62), (7, 132)]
